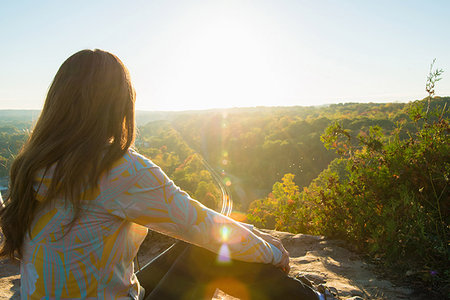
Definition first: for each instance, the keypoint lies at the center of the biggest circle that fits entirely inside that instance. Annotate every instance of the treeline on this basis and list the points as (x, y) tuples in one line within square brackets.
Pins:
[(255, 147), (387, 194), (251, 147)]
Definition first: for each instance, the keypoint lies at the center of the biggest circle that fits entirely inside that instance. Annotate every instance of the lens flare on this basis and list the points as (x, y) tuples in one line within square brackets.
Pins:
[(224, 233), (224, 256), (231, 286)]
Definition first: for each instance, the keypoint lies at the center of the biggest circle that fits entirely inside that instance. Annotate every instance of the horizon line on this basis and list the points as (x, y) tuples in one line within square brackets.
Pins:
[(249, 107)]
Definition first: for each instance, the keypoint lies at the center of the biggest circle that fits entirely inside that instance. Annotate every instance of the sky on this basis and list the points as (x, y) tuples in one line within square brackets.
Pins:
[(193, 54)]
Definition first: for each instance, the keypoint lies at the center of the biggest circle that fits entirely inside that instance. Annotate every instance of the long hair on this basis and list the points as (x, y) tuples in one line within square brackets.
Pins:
[(86, 124)]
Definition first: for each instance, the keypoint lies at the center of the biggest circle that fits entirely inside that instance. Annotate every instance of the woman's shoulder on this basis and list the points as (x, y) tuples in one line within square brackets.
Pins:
[(139, 161), (132, 162), (125, 171)]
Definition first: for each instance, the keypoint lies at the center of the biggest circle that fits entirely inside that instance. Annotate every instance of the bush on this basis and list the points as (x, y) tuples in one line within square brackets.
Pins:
[(386, 195)]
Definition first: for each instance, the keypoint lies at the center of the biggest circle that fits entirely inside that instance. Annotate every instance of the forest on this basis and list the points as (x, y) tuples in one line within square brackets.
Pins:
[(373, 174)]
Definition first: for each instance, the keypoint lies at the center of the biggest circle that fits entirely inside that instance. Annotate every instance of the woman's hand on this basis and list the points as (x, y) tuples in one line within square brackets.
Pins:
[(284, 263)]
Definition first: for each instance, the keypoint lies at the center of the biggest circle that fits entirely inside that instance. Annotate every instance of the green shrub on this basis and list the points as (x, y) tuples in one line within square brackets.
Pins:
[(387, 195)]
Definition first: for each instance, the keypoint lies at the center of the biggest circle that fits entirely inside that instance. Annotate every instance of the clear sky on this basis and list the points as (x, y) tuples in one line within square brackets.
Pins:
[(192, 54)]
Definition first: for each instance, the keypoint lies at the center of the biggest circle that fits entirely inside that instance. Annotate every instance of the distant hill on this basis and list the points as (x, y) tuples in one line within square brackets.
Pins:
[(16, 117), (19, 115), (13, 116)]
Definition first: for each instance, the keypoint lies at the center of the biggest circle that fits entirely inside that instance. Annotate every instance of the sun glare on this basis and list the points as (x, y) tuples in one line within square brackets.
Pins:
[(223, 59), (224, 255), (224, 233), (224, 62)]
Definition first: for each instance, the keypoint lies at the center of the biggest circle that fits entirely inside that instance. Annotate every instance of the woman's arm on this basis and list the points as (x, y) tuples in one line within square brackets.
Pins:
[(284, 263), (154, 201)]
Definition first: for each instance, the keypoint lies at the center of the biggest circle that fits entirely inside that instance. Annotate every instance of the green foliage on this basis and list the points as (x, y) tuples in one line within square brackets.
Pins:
[(257, 146), (336, 138), (263, 213), (386, 195), (164, 145), (11, 141)]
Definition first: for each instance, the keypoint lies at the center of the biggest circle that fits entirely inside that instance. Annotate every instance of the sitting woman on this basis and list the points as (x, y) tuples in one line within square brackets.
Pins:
[(81, 201)]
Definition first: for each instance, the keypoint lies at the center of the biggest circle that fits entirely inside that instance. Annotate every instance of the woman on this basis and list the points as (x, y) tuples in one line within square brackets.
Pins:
[(81, 201)]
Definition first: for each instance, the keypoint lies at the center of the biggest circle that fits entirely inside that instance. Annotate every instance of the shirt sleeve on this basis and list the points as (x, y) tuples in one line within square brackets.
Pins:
[(153, 200), (248, 226)]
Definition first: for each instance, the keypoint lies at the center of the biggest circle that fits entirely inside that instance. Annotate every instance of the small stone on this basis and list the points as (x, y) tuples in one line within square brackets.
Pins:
[(333, 290), (356, 293), (315, 278)]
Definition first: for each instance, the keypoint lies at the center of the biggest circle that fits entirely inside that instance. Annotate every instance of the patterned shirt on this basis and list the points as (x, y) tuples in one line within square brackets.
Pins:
[(93, 259)]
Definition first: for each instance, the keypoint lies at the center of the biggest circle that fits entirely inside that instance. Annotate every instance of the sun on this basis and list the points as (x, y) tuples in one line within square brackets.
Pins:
[(221, 59)]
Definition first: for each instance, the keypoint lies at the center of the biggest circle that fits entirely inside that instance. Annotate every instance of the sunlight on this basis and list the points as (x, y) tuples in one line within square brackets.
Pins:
[(224, 233), (225, 60), (231, 286), (224, 256), (224, 57)]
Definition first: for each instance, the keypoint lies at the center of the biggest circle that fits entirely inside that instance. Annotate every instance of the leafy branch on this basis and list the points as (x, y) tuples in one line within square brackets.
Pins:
[(433, 77)]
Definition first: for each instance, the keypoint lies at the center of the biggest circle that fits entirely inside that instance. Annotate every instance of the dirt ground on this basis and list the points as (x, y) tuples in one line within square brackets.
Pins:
[(319, 259), (9, 281)]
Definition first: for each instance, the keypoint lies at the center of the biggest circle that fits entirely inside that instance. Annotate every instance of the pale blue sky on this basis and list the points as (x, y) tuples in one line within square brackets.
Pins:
[(200, 54)]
